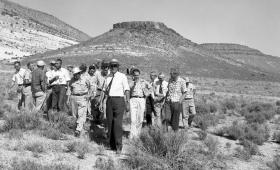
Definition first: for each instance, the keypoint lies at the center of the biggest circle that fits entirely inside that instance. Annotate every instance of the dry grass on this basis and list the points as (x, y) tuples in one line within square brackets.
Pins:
[(275, 164), (80, 147)]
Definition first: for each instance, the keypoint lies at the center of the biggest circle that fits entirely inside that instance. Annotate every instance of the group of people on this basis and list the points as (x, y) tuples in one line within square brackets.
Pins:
[(101, 91)]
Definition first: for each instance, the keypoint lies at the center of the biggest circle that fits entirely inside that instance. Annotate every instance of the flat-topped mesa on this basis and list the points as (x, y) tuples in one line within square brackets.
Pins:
[(140, 25)]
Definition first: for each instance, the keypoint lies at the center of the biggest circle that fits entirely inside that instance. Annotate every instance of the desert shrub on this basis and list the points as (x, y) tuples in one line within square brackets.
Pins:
[(277, 103), (203, 121), (277, 111), (229, 105), (31, 165), (242, 154), (275, 164), (12, 95), (15, 134), (251, 147), (81, 148), (276, 137), (211, 144), (62, 122), (201, 135), (104, 164), (157, 150), (254, 132), (52, 133), (35, 147), (23, 120), (255, 117), (213, 108), (202, 109)]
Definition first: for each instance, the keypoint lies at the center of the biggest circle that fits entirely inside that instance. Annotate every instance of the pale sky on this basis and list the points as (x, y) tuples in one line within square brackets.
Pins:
[(255, 23)]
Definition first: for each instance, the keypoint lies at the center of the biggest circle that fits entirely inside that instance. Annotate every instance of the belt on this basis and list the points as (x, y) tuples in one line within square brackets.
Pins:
[(116, 97), (82, 94), (59, 85), (137, 97)]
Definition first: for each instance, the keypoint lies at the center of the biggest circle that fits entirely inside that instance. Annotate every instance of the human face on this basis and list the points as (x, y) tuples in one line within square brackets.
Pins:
[(17, 67), (58, 64), (136, 76), (77, 76), (114, 68), (174, 75), (160, 79), (91, 71), (31, 67), (153, 77)]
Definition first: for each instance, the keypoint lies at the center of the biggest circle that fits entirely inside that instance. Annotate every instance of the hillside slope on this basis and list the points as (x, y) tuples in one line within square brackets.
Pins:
[(246, 55), (24, 31), (152, 45)]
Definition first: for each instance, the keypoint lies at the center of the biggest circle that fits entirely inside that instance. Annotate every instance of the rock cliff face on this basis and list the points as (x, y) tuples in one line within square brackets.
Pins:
[(24, 32), (152, 45)]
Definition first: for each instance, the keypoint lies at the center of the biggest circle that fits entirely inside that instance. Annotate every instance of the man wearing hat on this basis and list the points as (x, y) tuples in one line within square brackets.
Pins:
[(50, 75), (117, 91), (39, 85), (139, 89), (188, 111), (161, 88), (80, 93), (176, 94)]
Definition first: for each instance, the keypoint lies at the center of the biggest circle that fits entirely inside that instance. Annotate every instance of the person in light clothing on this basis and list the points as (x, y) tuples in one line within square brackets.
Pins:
[(80, 93), (139, 89), (39, 85), (50, 74), (117, 91), (161, 88), (60, 85), (18, 80), (188, 111), (28, 98)]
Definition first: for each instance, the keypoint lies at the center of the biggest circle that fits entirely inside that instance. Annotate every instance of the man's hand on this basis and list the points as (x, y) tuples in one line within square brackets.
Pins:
[(127, 106)]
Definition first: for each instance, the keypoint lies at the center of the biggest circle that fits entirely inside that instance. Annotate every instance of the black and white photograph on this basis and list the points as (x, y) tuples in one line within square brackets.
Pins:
[(139, 85)]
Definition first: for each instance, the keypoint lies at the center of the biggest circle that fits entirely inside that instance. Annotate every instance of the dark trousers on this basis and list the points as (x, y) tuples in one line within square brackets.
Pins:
[(175, 109), (115, 108), (58, 97), (149, 110), (97, 115)]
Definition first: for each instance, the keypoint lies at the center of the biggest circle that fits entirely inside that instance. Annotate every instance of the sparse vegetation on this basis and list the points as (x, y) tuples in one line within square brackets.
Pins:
[(35, 147), (81, 148), (276, 137), (15, 134), (52, 133), (275, 164), (104, 164), (32, 165)]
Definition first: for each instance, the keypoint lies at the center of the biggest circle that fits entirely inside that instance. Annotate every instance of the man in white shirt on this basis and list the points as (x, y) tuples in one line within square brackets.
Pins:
[(28, 98), (188, 105), (117, 89), (18, 80), (161, 88), (50, 75), (60, 85)]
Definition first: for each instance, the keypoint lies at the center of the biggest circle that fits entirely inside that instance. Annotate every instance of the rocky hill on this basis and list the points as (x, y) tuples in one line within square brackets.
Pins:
[(24, 31), (152, 45), (246, 55)]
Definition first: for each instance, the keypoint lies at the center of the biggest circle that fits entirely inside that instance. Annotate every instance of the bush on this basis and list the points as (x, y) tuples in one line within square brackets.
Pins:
[(202, 109), (276, 137), (80, 147), (211, 144), (275, 164), (36, 147), (277, 103), (31, 165), (213, 108), (254, 132), (255, 117), (15, 134), (250, 147), (202, 135), (157, 150), (23, 120), (229, 105), (62, 122), (242, 154), (52, 133), (258, 112), (204, 121), (104, 164)]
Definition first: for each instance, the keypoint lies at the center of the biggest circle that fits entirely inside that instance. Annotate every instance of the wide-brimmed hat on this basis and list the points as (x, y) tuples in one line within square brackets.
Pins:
[(114, 61), (41, 63), (76, 70)]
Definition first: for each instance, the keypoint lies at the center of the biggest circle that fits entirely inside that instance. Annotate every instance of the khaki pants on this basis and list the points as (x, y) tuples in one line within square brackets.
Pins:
[(188, 110), (157, 122), (79, 108), (39, 98), (137, 109), (28, 101)]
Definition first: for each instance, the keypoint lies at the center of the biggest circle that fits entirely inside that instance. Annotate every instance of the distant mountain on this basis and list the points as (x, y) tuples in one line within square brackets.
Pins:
[(154, 46), (246, 55), (24, 31)]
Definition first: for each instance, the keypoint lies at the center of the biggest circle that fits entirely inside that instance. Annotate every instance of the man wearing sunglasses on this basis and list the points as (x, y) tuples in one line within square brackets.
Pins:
[(176, 94), (117, 91)]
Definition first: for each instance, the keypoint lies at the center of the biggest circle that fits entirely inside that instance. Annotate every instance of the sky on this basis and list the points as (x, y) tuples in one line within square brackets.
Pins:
[(255, 23)]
